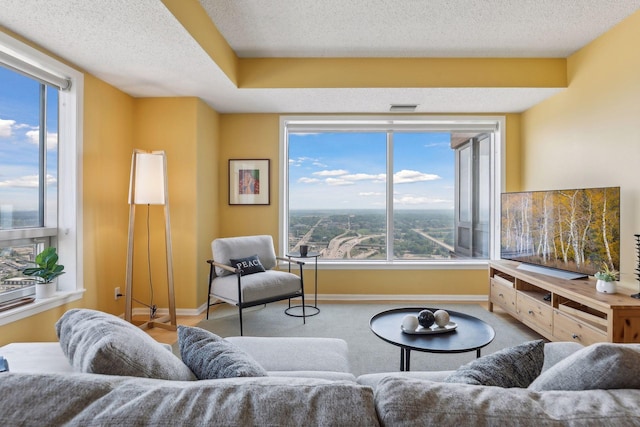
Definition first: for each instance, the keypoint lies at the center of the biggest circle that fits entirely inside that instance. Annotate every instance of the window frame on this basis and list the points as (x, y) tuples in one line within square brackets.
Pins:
[(491, 124), (68, 234)]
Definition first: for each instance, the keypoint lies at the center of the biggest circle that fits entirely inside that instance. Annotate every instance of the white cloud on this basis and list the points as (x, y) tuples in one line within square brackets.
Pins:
[(418, 200), (28, 181), (34, 137), (365, 177), (338, 181), (408, 176), (305, 180), (370, 194), (335, 172), (5, 128)]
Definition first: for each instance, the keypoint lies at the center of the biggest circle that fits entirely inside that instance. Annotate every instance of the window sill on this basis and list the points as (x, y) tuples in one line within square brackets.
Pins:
[(479, 264), (38, 306)]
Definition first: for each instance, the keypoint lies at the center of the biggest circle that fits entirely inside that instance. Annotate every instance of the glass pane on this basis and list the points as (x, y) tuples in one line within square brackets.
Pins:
[(337, 194), (19, 150), (423, 190), (51, 192), (13, 259), (464, 184), (484, 181)]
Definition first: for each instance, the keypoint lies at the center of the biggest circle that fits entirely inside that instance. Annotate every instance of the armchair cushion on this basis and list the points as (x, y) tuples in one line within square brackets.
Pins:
[(256, 287), (225, 249), (248, 265)]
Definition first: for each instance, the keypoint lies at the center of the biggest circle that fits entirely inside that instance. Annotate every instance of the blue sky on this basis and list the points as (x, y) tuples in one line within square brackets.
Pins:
[(346, 171), (19, 135)]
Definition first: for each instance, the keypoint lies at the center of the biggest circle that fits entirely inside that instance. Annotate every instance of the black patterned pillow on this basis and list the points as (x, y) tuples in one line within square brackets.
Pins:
[(210, 356), (248, 265), (510, 367)]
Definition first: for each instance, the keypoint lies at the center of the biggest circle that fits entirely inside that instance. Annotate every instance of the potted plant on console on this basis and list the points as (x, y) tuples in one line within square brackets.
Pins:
[(46, 271), (606, 280)]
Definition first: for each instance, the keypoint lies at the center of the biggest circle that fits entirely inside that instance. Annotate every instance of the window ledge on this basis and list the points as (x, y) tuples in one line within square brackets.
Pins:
[(400, 265), (38, 306)]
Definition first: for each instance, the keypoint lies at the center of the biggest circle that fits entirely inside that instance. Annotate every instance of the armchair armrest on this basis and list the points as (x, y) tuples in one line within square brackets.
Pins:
[(289, 260), (223, 266)]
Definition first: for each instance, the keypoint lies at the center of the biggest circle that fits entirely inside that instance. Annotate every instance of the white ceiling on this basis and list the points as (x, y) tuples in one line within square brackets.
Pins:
[(139, 46)]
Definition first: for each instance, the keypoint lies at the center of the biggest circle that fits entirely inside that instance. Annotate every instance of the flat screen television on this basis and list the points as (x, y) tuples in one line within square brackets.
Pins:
[(573, 231)]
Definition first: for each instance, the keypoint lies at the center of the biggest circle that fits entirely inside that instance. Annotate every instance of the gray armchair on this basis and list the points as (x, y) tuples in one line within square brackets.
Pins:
[(243, 273)]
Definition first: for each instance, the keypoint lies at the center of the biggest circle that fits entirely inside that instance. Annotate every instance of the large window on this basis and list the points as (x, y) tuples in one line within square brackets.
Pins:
[(40, 137), (369, 190)]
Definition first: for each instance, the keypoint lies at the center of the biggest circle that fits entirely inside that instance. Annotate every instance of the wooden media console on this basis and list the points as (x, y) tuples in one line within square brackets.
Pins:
[(572, 311)]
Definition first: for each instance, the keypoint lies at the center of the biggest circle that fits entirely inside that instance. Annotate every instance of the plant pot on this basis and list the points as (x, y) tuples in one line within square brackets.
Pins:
[(45, 290), (606, 287)]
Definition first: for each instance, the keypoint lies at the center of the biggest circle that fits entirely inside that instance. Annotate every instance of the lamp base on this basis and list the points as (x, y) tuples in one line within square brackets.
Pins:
[(163, 322)]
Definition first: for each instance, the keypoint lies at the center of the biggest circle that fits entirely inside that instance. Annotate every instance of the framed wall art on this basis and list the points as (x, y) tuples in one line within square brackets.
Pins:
[(249, 182)]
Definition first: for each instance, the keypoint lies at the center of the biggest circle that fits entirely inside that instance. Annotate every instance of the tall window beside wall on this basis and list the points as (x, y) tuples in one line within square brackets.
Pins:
[(40, 136), (391, 190)]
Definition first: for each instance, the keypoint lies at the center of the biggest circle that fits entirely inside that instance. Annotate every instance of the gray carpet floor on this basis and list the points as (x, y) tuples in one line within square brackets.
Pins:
[(368, 353)]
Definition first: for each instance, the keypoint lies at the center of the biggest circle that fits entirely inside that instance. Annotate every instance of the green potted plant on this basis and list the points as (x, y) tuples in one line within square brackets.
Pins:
[(606, 280), (46, 271)]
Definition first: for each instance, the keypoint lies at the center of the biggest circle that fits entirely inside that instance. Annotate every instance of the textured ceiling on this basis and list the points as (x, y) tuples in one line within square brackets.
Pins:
[(141, 48)]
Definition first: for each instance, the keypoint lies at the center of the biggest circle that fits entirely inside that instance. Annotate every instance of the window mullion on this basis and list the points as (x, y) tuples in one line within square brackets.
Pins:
[(389, 207), (42, 154)]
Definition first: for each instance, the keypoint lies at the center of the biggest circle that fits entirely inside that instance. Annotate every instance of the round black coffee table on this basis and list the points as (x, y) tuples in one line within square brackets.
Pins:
[(470, 334)]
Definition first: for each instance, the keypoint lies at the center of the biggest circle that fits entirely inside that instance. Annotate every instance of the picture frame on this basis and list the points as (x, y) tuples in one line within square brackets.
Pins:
[(249, 182)]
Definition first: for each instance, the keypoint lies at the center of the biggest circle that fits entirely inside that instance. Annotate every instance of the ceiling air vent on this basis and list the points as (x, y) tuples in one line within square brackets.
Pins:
[(403, 108)]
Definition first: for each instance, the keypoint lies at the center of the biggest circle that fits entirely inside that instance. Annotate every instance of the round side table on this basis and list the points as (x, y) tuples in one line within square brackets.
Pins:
[(296, 310)]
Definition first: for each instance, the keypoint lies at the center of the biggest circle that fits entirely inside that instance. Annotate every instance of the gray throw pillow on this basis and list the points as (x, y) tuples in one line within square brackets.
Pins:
[(510, 367), (101, 343), (210, 356), (598, 366), (248, 265)]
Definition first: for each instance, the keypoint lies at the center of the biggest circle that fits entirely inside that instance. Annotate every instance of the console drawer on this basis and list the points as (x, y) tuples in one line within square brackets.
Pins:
[(566, 328), (535, 313), (504, 296)]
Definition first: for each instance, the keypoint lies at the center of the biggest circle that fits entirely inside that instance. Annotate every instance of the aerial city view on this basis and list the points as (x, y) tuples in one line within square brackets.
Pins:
[(360, 234)]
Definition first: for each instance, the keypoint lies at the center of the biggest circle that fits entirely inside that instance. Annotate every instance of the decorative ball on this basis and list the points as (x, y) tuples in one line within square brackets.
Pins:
[(441, 318), (426, 318), (410, 322)]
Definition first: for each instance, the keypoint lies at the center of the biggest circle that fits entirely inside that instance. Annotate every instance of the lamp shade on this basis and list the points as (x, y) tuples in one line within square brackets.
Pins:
[(148, 178)]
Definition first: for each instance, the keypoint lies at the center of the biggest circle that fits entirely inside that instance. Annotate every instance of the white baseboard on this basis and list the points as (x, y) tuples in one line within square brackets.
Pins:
[(342, 298)]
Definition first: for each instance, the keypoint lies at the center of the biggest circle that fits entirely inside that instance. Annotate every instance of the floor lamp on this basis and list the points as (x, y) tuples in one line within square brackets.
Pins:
[(148, 186)]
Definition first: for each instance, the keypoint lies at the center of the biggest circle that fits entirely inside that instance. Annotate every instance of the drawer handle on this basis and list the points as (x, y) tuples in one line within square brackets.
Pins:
[(574, 336), (531, 312), (500, 295)]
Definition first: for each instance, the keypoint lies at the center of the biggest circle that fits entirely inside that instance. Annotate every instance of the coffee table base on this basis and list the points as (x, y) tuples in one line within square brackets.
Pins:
[(405, 358)]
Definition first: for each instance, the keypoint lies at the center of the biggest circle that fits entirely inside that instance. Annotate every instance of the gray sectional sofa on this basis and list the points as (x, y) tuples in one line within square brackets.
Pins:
[(306, 382)]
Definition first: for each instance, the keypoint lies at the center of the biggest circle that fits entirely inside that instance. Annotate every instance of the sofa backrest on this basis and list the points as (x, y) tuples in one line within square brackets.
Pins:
[(91, 399)]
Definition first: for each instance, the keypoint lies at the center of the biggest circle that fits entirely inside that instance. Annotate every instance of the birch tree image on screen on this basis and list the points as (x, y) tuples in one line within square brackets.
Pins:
[(575, 230)]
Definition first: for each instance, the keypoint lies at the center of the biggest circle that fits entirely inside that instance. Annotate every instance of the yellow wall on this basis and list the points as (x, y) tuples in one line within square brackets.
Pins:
[(186, 129), (589, 134)]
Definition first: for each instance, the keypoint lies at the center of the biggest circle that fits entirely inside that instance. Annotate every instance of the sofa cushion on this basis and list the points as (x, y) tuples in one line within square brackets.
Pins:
[(510, 367), (210, 356), (99, 400), (101, 343), (598, 366), (410, 402), (247, 265)]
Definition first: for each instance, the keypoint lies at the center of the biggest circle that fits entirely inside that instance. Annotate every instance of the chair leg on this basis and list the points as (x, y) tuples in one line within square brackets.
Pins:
[(209, 291), (240, 311)]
